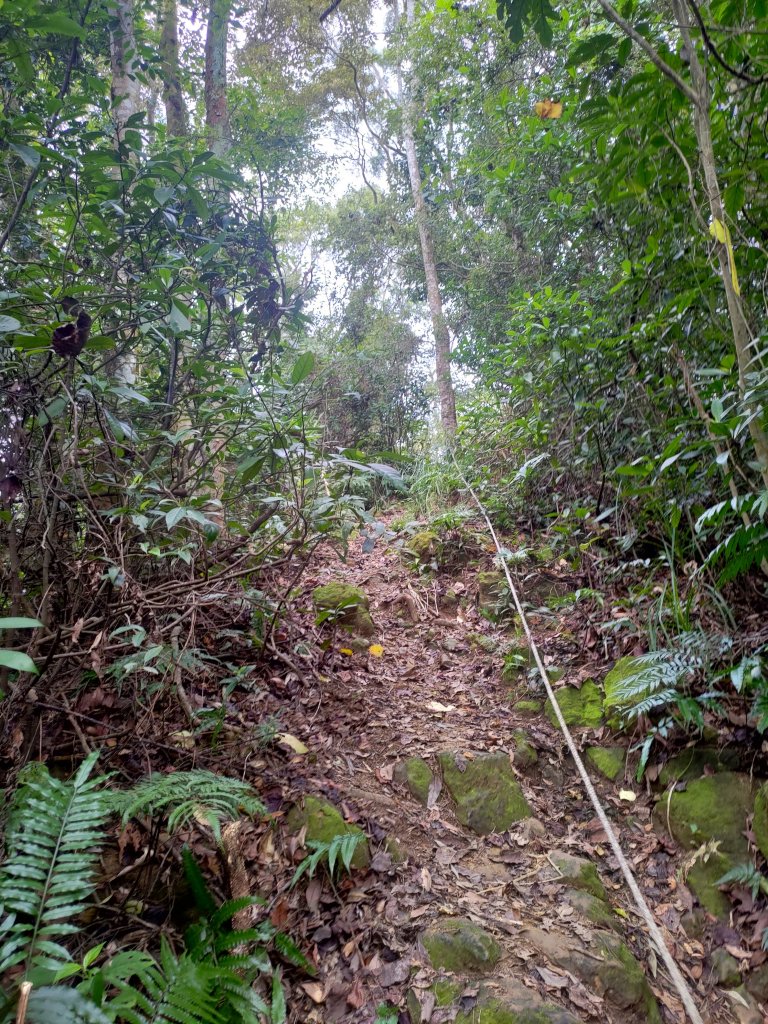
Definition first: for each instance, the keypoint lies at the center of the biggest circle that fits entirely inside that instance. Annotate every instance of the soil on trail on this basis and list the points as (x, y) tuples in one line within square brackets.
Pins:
[(435, 684)]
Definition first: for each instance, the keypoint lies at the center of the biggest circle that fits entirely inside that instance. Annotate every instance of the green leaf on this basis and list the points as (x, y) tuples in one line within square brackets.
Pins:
[(595, 46), (178, 320), (30, 156), (8, 324), (55, 23), (19, 622), (17, 661), (302, 368), (277, 1011), (174, 517)]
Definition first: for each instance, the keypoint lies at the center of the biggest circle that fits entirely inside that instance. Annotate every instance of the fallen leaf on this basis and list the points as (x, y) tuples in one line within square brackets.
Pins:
[(628, 795), (346, 650), (552, 979), (291, 741), (314, 990), (435, 705)]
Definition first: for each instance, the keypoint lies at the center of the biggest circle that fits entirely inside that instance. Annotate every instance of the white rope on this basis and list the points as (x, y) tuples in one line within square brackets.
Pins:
[(655, 932)]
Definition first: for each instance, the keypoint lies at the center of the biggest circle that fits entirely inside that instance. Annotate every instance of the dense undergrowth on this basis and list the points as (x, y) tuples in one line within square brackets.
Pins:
[(208, 368)]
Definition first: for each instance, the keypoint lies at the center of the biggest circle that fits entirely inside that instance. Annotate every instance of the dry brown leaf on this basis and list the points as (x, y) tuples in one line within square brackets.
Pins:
[(314, 990)]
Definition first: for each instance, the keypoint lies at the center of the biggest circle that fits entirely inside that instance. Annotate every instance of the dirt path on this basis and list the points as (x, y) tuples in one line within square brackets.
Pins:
[(570, 947)]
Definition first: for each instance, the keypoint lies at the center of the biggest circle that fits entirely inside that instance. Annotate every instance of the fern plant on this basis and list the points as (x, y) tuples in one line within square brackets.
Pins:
[(185, 796), (54, 830), (746, 545), (53, 835), (341, 846)]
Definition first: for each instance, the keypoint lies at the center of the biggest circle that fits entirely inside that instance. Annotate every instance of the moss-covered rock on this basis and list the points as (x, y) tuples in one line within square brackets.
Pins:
[(606, 966), (487, 795), (725, 968), (323, 823), (490, 588), (527, 707), (348, 604), (692, 763), (580, 707), (760, 819), (609, 761), (579, 873), (457, 945), (713, 808), (494, 1011), (416, 774), (425, 547), (525, 751), (596, 911)]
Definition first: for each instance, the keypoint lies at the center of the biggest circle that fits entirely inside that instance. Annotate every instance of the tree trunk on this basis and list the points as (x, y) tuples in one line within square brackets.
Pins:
[(698, 95), (125, 84), (742, 338), (216, 108), (439, 324), (175, 108)]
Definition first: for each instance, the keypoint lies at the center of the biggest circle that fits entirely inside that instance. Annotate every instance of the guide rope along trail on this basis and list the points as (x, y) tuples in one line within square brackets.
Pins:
[(654, 931)]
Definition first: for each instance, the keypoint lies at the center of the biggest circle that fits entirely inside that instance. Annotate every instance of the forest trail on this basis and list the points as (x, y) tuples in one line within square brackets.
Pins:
[(555, 932)]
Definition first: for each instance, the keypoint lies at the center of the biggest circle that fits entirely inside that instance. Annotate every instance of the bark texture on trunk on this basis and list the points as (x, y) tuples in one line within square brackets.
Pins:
[(439, 323), (216, 108), (173, 97), (125, 85)]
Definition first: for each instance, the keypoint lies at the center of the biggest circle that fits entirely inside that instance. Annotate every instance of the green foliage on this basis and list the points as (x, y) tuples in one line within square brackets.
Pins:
[(339, 850), (53, 835), (748, 876), (186, 796)]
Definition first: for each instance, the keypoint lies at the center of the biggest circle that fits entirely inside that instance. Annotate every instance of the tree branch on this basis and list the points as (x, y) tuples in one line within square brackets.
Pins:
[(649, 50)]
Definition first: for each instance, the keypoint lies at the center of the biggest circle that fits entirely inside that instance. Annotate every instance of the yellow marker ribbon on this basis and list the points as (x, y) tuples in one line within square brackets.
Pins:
[(721, 233)]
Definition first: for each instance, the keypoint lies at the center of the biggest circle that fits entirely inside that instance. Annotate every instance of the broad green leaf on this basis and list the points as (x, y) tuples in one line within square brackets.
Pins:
[(19, 622), (18, 661), (302, 368), (8, 324), (30, 156)]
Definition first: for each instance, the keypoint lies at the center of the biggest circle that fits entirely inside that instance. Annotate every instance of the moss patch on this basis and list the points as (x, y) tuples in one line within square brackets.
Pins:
[(425, 547), (459, 946), (488, 797), (416, 774), (593, 909), (525, 752), (712, 808), (350, 605), (323, 823), (609, 761), (689, 764), (760, 819), (527, 707), (580, 707), (578, 873), (496, 1012)]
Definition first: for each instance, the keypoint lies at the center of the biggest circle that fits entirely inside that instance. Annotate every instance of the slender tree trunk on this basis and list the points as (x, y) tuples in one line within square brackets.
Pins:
[(125, 84), (742, 338), (175, 107), (216, 108), (439, 323), (699, 96)]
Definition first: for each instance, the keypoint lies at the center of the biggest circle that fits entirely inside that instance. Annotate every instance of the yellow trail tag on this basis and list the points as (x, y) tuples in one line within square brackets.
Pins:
[(721, 233)]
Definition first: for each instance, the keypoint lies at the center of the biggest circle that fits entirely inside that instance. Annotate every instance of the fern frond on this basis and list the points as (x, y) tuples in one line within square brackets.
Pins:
[(175, 990), (55, 1004), (52, 846), (741, 550), (185, 796)]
